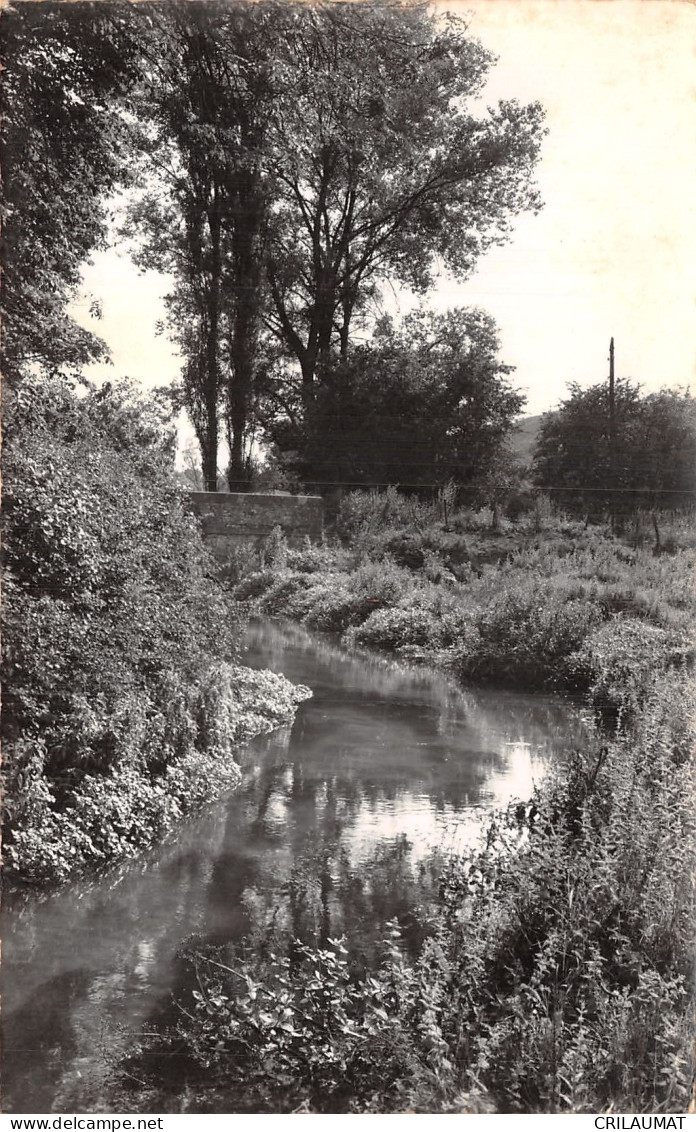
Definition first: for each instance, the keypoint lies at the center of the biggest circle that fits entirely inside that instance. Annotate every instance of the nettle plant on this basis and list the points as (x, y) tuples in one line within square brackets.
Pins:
[(308, 1024)]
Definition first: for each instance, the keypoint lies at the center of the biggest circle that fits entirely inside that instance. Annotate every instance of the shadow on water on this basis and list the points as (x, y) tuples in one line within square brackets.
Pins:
[(334, 827)]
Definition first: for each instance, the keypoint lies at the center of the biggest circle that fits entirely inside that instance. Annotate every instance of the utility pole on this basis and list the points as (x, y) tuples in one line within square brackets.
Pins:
[(612, 432), (612, 392)]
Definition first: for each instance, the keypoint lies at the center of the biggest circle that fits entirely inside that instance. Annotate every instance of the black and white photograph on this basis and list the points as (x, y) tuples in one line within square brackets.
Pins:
[(348, 553)]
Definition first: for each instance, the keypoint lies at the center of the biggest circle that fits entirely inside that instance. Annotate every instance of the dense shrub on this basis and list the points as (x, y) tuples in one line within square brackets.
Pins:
[(526, 635), (341, 601), (175, 761), (321, 600), (382, 581), (331, 600), (254, 584), (393, 629), (523, 613), (114, 631), (279, 596), (367, 513), (578, 956), (421, 626), (407, 528), (313, 559), (618, 662), (335, 608)]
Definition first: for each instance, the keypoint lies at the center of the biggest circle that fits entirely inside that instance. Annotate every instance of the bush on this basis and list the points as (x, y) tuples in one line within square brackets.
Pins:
[(526, 636), (416, 626), (243, 561), (554, 976), (274, 550), (313, 559), (362, 513), (283, 591), (114, 627), (382, 582), (619, 660), (334, 608), (254, 585), (103, 817), (392, 629)]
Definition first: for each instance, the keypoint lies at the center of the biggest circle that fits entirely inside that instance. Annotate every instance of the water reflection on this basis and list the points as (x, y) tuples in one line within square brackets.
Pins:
[(332, 826)]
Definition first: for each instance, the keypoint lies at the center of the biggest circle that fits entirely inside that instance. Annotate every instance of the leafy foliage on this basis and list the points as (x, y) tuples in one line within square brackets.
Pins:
[(62, 151), (117, 695), (379, 166), (558, 607), (646, 460), (427, 404), (173, 756)]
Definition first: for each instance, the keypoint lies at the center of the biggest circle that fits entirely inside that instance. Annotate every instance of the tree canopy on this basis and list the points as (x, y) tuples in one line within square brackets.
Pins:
[(421, 405), (308, 154), (63, 152), (379, 169), (647, 459)]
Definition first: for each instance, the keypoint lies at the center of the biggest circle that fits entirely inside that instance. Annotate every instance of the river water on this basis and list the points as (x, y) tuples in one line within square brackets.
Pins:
[(336, 818)]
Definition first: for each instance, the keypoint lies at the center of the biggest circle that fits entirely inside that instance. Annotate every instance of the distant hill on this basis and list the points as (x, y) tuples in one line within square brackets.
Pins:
[(523, 439)]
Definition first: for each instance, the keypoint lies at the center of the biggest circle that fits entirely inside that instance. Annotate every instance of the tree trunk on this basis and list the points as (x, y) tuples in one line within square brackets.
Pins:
[(212, 382), (246, 283), (323, 320), (238, 471), (308, 367), (209, 460)]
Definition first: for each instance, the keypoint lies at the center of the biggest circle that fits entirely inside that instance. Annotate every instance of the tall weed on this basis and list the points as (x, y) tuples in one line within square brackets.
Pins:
[(554, 974), (556, 970)]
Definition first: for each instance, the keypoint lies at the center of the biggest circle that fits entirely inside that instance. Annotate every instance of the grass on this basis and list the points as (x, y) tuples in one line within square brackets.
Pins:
[(544, 605)]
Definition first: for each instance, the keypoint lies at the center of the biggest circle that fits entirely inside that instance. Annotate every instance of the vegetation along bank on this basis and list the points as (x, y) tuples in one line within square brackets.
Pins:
[(555, 968), (123, 700)]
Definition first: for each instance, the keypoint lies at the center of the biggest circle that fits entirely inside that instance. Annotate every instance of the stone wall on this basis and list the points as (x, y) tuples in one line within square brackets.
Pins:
[(229, 519)]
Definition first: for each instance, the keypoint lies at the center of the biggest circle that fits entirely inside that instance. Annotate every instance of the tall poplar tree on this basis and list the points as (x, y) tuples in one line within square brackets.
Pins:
[(310, 154), (205, 101), (380, 170)]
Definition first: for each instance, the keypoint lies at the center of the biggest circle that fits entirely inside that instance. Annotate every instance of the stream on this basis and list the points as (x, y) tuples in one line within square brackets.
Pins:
[(383, 766)]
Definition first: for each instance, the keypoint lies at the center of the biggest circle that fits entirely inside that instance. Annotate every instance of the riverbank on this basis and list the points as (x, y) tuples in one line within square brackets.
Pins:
[(556, 975), (103, 818), (336, 826), (559, 608)]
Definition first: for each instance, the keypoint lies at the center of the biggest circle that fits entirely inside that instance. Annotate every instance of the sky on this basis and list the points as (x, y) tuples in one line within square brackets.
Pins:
[(612, 253)]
